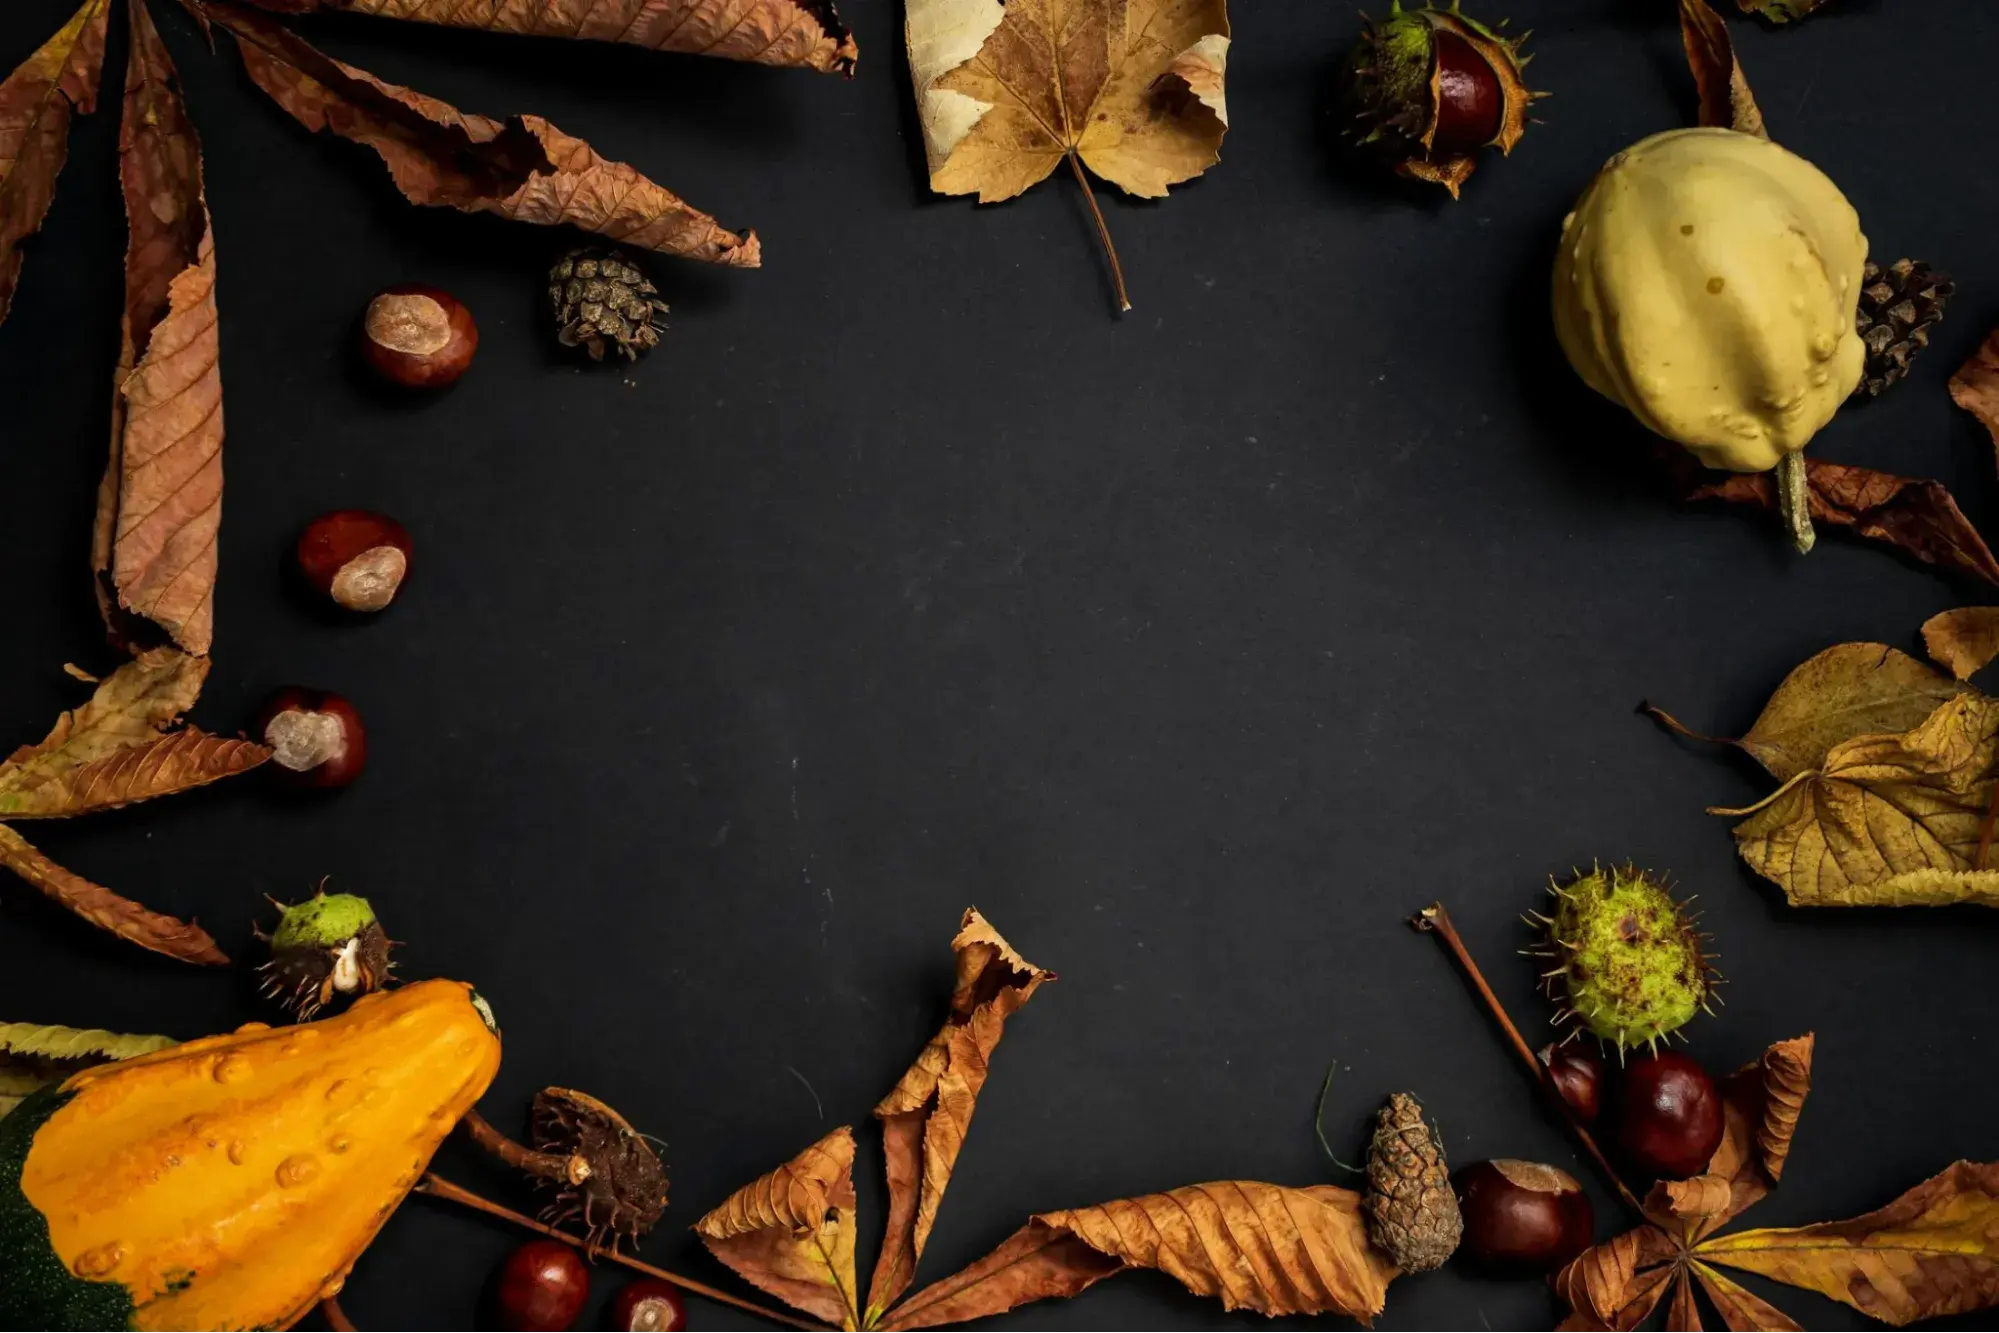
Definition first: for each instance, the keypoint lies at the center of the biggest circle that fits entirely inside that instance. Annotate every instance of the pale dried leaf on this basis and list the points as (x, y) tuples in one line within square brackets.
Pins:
[(34, 1055), (131, 707), (523, 169), (176, 763), (1963, 641), (1267, 1248), (1928, 1254), (1975, 386), (927, 1115), (1854, 689), (1787, 1080), (1618, 1283), (160, 507), (1695, 1199), (105, 909), (37, 102), (1740, 1308), (1724, 91), (1132, 87), (792, 1232)]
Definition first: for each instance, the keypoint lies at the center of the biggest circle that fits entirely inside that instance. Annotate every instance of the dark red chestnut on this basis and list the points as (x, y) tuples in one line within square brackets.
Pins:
[(1469, 98), (418, 337), (316, 738), (647, 1304), (1668, 1115), (1577, 1075), (1523, 1218), (541, 1288), (355, 556)]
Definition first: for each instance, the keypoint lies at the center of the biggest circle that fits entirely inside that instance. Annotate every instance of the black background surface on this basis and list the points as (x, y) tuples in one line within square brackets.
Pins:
[(1196, 648)]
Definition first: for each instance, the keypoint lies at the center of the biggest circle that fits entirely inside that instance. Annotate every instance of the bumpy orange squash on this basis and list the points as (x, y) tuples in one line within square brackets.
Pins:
[(232, 1182)]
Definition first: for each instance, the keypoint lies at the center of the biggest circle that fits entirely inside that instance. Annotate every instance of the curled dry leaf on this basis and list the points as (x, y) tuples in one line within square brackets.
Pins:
[(1268, 1248), (926, 1117), (37, 102), (1975, 386), (791, 1232), (1785, 1082), (34, 1055), (1724, 92), (176, 763), (1616, 1284), (107, 910), (803, 33), (1695, 1199), (523, 168), (1964, 640), (129, 707), (160, 508)]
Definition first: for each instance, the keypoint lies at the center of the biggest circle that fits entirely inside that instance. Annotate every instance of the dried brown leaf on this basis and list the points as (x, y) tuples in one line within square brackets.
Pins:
[(1963, 641), (37, 102), (926, 1116), (523, 169), (1928, 1254), (1740, 1308), (130, 707), (1617, 1284), (1975, 386), (1853, 689), (1267, 1248), (1786, 1080), (792, 1232), (160, 508), (105, 909), (804, 33), (34, 1055), (1724, 91), (1779, 11), (176, 763), (1694, 1200), (1917, 517), (1682, 1316)]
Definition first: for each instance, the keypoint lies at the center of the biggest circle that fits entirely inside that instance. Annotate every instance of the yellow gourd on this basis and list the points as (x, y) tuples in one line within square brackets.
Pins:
[(232, 1182), (1707, 281)]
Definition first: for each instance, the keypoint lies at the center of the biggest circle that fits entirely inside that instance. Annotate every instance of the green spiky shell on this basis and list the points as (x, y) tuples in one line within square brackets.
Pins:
[(1626, 961), (326, 920)]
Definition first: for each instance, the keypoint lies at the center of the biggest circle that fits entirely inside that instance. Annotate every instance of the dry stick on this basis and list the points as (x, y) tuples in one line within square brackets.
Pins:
[(549, 1166), (439, 1188), (1438, 922), (336, 1318), (1103, 231)]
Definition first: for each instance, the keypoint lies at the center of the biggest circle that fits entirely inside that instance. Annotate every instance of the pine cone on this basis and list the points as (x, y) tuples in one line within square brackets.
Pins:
[(601, 299), (1412, 1215), (1897, 307)]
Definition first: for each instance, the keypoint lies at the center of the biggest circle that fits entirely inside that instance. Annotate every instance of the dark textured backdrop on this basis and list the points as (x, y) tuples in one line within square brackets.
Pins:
[(1195, 648)]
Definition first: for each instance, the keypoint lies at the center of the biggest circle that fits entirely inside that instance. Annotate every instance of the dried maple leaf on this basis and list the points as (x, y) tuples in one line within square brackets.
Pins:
[(1132, 89), (34, 1055), (1964, 640), (36, 104), (1975, 386), (115, 750), (803, 33)]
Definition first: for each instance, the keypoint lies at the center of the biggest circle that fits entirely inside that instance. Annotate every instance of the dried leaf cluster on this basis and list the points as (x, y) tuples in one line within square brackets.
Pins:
[(1271, 1248)]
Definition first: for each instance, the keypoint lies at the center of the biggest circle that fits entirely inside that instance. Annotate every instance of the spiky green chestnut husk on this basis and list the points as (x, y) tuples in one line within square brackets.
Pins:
[(330, 945), (1624, 959)]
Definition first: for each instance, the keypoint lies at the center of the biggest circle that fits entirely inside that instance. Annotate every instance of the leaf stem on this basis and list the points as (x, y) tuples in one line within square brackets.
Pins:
[(1794, 501), (1435, 920), (1103, 231), (336, 1318), (1319, 1123), (439, 1188)]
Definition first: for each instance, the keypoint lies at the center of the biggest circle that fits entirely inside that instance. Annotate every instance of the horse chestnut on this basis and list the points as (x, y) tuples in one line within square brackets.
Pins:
[(1523, 1217), (1577, 1076), (1469, 98), (541, 1287), (647, 1305), (418, 337), (356, 557), (316, 738), (1668, 1115)]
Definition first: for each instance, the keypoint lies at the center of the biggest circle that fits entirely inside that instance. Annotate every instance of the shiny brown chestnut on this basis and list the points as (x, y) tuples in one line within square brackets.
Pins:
[(1522, 1218), (647, 1305), (1667, 1115), (541, 1288), (355, 556), (1577, 1075), (316, 738), (418, 337), (1469, 98)]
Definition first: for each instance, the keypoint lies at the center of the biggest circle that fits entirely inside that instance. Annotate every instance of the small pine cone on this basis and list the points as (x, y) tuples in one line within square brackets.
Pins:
[(602, 299), (1412, 1213), (1897, 306)]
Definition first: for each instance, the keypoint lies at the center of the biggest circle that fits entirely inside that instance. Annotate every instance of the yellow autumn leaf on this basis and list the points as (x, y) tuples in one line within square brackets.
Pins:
[(791, 1232), (1853, 689), (33, 1055), (1964, 640)]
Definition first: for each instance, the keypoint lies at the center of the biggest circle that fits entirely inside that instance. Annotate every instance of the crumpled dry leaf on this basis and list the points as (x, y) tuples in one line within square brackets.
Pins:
[(1268, 1248), (107, 910), (1724, 92), (927, 1115), (804, 33), (176, 763), (791, 1232), (1964, 640), (1975, 386), (523, 168), (37, 102), (129, 707), (159, 510), (1616, 1284), (34, 1055), (1928, 1254), (1779, 11)]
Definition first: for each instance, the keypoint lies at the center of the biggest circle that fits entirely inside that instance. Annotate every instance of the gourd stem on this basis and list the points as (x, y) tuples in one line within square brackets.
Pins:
[(548, 1166), (1435, 920), (1103, 232), (336, 1318), (1794, 501), (439, 1188)]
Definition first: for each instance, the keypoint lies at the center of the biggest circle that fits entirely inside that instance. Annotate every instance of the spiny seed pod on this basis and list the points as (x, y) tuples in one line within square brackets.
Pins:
[(1430, 87), (1627, 963), (620, 1188), (330, 944), (1412, 1212)]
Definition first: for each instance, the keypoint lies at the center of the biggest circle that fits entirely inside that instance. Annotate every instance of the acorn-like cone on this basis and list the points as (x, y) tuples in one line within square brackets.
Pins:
[(1625, 960), (1412, 1213)]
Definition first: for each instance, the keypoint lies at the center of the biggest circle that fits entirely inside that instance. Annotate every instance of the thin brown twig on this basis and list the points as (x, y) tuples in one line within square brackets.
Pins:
[(1437, 921), (548, 1166), (336, 1318), (439, 1188), (1103, 232)]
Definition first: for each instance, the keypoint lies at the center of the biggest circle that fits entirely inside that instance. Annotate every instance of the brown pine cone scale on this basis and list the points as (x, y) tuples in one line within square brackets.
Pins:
[(1412, 1213), (602, 299), (1898, 305)]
